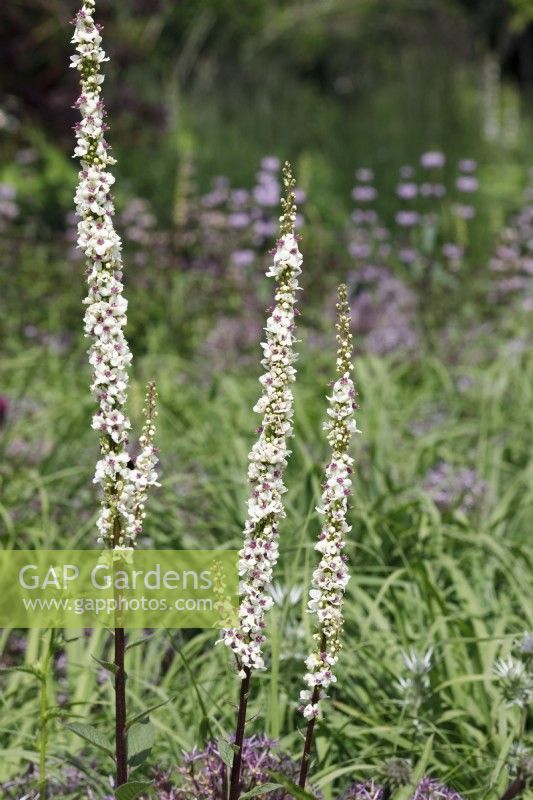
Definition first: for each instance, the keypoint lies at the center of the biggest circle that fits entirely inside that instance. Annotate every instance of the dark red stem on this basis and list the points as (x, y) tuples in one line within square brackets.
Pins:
[(235, 778), (515, 788), (304, 766), (120, 708)]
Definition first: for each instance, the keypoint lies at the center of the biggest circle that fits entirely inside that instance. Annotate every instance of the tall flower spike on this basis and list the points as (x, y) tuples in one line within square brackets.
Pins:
[(269, 454), (123, 487), (331, 575)]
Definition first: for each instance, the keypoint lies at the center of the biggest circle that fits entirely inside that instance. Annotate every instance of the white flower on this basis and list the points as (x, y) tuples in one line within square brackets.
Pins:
[(516, 681), (417, 664)]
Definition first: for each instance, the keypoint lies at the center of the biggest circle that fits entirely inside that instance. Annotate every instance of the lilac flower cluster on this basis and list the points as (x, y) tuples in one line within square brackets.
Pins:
[(105, 318), (427, 789), (451, 488), (512, 263), (240, 221), (420, 215), (331, 575), (383, 310), (269, 454), (203, 773)]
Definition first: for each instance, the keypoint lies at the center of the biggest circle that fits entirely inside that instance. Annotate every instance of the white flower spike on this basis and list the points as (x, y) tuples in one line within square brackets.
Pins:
[(331, 575), (124, 483), (269, 454)]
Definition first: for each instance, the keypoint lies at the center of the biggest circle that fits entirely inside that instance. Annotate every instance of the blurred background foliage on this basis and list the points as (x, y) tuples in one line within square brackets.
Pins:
[(332, 81)]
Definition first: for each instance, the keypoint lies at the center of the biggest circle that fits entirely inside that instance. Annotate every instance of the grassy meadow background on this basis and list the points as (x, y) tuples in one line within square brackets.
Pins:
[(440, 549)]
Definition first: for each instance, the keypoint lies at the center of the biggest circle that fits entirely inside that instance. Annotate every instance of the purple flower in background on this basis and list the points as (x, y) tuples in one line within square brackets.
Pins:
[(270, 163), (364, 194), (238, 220), (407, 191), (364, 175), (467, 183), (432, 190), (299, 222), (267, 191), (451, 488), (239, 198), (360, 217), (407, 218), (242, 258), (463, 211), (467, 165), (407, 255), (299, 196), (360, 250), (264, 229), (406, 171), (433, 159), (453, 252), (383, 310), (7, 191)]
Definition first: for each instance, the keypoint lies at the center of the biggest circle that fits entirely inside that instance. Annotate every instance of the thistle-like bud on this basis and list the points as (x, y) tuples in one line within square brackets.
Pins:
[(396, 772)]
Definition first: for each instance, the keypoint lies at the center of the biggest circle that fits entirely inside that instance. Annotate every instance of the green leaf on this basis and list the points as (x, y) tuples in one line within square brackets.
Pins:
[(91, 735), (291, 787), (421, 766), (227, 751), (142, 714), (108, 665), (141, 738), (204, 729), (22, 668), (259, 790), (128, 791), (138, 642)]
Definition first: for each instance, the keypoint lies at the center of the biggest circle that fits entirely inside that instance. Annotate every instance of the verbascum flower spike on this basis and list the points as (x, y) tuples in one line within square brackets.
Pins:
[(268, 459), (269, 454), (331, 575), (123, 487)]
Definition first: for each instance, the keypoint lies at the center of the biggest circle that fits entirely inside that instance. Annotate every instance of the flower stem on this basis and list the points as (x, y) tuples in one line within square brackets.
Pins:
[(120, 709), (43, 718), (515, 788), (234, 788), (306, 756)]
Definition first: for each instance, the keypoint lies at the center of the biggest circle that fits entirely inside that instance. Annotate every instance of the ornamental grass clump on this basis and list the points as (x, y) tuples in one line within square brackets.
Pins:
[(268, 459), (124, 481), (331, 575)]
